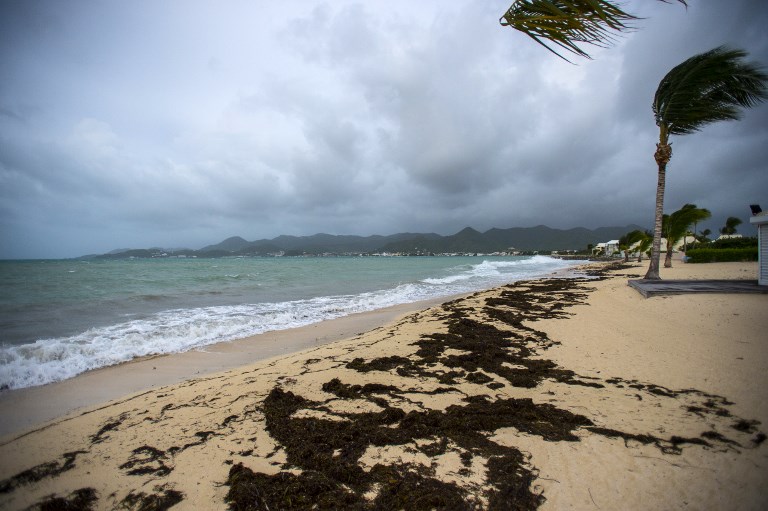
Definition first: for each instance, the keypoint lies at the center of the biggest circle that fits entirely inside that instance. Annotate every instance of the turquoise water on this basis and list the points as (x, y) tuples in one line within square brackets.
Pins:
[(61, 318)]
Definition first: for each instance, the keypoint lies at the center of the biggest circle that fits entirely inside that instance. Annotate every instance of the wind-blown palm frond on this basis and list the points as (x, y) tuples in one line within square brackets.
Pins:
[(568, 23), (709, 87)]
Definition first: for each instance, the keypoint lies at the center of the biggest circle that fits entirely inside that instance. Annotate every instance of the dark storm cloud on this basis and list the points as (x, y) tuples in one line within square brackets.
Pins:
[(181, 123)]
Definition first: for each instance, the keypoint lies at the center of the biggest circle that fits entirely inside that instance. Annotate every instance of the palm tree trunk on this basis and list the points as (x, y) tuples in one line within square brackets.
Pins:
[(663, 155)]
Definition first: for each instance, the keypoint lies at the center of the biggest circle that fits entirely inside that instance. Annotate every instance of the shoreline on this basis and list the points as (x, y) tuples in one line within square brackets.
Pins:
[(559, 393), (34, 406)]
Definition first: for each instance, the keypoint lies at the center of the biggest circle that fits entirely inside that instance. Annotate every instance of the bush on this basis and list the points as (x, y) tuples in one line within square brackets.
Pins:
[(725, 243), (734, 243), (721, 255)]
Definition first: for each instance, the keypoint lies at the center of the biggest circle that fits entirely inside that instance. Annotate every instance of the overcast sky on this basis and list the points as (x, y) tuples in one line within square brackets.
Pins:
[(181, 123)]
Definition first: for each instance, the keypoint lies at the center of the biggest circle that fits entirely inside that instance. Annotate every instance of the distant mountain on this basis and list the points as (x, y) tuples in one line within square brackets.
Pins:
[(468, 240), (316, 244), (539, 238), (232, 244)]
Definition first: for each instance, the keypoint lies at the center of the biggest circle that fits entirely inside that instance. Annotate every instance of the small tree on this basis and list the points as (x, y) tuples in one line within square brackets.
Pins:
[(624, 247), (636, 241), (730, 225), (676, 225)]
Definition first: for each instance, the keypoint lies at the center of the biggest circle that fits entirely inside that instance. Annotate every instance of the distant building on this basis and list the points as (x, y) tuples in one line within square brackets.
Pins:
[(606, 249)]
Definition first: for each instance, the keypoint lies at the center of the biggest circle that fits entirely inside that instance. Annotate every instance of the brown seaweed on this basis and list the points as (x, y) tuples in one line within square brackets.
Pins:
[(40, 472), (161, 501), (79, 500)]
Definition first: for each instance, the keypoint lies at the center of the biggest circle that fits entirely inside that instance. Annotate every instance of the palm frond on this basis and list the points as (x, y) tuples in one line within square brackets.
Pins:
[(709, 87), (569, 23)]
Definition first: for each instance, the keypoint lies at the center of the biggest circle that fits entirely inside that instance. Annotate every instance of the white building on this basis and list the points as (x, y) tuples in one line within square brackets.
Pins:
[(760, 220), (607, 249)]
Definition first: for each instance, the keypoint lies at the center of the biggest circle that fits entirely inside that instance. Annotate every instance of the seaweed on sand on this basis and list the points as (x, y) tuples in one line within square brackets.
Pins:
[(378, 364), (147, 460), (508, 353), (164, 499), (402, 487), (328, 454), (100, 435), (79, 500), (40, 472)]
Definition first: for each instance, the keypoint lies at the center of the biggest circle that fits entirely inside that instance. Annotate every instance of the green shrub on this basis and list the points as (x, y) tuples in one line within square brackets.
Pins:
[(734, 243), (725, 243), (721, 255)]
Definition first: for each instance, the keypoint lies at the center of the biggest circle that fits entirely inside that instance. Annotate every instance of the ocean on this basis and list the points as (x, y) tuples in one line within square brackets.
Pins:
[(59, 318)]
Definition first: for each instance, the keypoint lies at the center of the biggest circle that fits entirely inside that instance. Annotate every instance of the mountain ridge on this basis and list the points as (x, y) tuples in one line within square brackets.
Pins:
[(467, 240)]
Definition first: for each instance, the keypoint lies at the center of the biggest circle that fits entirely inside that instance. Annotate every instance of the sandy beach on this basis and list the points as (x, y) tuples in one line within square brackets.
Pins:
[(553, 394)]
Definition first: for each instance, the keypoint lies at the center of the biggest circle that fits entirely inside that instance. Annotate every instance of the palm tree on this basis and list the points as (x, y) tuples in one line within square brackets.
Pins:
[(568, 23), (637, 241), (709, 87), (675, 226), (730, 225), (644, 245), (624, 245)]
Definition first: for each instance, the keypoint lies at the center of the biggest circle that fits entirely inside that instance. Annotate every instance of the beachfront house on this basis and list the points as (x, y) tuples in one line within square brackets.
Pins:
[(760, 220), (606, 249)]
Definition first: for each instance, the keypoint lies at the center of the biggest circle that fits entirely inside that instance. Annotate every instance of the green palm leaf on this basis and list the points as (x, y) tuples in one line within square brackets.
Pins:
[(569, 23), (709, 87)]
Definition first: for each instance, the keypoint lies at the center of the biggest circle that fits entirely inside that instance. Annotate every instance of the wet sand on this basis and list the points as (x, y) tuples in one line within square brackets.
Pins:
[(557, 393), (35, 405)]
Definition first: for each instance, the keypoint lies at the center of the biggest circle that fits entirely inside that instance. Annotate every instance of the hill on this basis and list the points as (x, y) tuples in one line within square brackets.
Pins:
[(468, 240), (539, 238)]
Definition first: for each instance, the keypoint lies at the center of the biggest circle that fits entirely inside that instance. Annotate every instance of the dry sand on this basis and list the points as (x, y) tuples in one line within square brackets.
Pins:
[(561, 393)]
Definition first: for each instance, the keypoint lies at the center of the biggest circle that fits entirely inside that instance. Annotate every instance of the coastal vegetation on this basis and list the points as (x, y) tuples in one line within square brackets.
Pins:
[(723, 250), (722, 255), (675, 226), (636, 241), (698, 248)]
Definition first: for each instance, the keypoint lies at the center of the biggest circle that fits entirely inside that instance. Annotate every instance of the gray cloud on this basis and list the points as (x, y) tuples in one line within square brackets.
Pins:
[(181, 123)]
